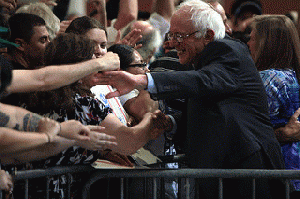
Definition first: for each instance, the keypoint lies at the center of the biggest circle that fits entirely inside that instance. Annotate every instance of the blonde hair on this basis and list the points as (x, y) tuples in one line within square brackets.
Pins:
[(276, 42)]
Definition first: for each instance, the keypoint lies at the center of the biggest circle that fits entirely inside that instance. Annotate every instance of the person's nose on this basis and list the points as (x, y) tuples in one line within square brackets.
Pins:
[(172, 42), (99, 51), (228, 29)]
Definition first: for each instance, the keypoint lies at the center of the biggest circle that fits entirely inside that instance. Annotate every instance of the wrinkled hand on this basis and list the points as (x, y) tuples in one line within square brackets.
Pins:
[(123, 81), (130, 39), (110, 61), (291, 131), (98, 141), (9, 5), (6, 181), (117, 158)]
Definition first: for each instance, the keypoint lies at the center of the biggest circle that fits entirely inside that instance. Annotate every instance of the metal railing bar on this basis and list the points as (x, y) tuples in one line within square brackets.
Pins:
[(220, 188), (253, 188), (287, 189), (154, 188)]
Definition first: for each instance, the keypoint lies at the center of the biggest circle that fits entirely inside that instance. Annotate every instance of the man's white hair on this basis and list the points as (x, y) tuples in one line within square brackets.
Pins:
[(204, 17)]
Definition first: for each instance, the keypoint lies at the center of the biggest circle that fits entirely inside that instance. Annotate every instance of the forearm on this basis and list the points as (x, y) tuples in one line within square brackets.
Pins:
[(12, 141), (165, 8), (100, 14), (140, 105), (18, 118), (128, 11), (44, 151), (51, 77)]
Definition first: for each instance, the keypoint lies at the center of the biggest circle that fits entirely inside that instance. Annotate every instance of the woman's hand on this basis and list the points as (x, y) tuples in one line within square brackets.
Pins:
[(291, 131)]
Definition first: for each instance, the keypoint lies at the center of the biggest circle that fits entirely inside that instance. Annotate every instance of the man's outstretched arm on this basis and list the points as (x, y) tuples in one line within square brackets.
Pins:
[(52, 77)]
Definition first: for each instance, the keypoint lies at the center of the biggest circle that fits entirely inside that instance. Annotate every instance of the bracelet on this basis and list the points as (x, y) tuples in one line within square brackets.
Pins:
[(49, 138)]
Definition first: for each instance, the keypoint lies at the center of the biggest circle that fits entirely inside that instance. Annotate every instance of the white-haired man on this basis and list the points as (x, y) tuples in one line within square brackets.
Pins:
[(228, 125)]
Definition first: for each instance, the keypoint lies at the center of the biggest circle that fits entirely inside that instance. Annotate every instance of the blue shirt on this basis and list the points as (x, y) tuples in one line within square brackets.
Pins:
[(282, 89)]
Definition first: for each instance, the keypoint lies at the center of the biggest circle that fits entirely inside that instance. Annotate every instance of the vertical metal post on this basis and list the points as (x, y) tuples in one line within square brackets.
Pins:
[(122, 187), (47, 188), (220, 188), (187, 188), (253, 188), (287, 189), (154, 188), (26, 188)]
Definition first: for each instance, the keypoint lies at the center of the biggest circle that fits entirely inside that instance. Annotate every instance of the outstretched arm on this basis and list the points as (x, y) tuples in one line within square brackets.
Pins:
[(128, 11), (52, 77)]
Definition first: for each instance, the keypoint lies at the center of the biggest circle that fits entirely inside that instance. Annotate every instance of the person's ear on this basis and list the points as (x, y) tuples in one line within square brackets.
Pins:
[(209, 36), (21, 44)]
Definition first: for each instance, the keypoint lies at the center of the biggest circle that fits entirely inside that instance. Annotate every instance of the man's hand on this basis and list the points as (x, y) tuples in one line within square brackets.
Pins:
[(10, 5), (130, 39), (98, 140), (123, 81), (291, 131), (110, 61)]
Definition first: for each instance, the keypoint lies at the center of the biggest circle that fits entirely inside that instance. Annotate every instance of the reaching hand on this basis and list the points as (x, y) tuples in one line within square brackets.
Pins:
[(123, 81), (10, 5), (74, 130), (6, 181), (98, 141), (63, 26), (110, 61), (130, 39)]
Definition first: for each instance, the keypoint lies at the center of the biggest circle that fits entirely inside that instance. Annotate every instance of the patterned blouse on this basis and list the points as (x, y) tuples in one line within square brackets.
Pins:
[(282, 89), (88, 111)]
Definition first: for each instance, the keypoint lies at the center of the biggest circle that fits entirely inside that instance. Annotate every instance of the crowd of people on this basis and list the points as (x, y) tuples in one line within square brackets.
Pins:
[(187, 78)]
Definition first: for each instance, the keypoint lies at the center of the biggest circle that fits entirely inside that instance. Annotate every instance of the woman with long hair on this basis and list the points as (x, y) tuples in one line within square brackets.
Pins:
[(275, 48)]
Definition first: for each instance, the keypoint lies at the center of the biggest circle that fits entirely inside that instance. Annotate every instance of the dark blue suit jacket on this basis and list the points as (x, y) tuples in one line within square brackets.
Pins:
[(227, 114)]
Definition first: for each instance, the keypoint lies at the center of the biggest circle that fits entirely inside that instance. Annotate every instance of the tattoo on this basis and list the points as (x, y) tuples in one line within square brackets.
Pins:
[(31, 122), (4, 119)]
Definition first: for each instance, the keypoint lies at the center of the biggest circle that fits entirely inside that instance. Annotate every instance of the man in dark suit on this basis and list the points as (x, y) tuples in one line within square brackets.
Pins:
[(228, 125)]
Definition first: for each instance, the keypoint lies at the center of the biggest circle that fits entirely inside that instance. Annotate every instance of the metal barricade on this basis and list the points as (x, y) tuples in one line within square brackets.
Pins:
[(157, 176)]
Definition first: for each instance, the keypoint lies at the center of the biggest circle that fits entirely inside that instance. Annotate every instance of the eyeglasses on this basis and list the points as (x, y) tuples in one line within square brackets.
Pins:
[(179, 37), (142, 65)]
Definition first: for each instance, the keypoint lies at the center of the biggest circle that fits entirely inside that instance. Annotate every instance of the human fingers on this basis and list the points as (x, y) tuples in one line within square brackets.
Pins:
[(295, 116), (118, 37), (8, 4)]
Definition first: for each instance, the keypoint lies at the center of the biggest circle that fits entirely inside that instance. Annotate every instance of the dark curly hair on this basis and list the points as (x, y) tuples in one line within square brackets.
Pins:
[(66, 48)]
